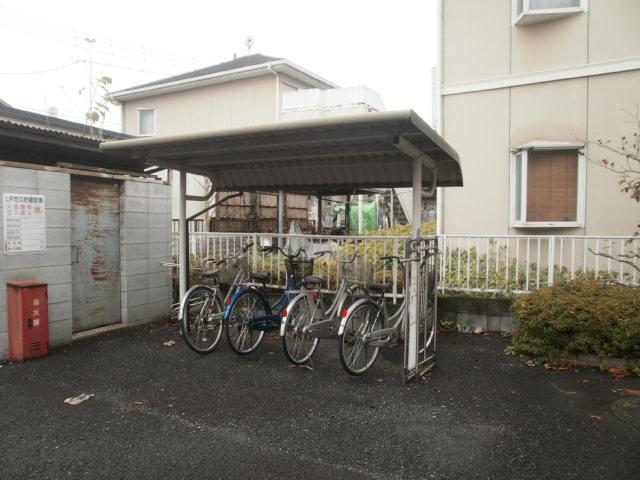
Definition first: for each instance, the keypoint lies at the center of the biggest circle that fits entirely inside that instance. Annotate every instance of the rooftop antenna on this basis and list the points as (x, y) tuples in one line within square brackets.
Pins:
[(249, 42)]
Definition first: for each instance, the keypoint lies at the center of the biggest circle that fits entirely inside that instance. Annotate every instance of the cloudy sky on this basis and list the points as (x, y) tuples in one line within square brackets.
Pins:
[(389, 46)]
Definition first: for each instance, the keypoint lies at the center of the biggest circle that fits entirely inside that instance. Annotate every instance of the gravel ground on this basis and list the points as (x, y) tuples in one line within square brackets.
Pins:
[(165, 412)]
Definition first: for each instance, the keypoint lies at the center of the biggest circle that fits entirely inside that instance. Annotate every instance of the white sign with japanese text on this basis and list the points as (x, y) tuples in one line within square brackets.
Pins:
[(24, 225)]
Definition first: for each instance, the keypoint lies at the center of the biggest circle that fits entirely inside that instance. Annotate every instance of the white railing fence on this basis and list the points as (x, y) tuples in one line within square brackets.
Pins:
[(204, 245), (474, 263), (515, 263)]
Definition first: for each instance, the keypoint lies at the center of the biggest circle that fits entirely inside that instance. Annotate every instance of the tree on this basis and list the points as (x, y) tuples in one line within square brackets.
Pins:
[(623, 159), (99, 96)]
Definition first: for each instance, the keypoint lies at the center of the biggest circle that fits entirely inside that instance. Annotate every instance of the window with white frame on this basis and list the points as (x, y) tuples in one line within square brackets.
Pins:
[(146, 121), (548, 185), (533, 11)]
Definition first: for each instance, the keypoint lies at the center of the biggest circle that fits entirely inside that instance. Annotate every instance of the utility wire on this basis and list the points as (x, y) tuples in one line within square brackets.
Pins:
[(95, 50), (37, 72), (65, 31)]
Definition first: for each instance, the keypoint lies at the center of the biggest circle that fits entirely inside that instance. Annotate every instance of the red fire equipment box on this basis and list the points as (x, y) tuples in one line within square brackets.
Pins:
[(28, 305)]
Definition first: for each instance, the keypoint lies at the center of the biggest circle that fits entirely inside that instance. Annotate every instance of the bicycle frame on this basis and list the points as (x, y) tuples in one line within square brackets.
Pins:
[(273, 311), (384, 335), (237, 281), (324, 327)]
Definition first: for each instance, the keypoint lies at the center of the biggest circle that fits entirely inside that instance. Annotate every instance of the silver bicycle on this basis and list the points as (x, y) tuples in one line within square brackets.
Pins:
[(367, 326), (306, 319), (202, 308)]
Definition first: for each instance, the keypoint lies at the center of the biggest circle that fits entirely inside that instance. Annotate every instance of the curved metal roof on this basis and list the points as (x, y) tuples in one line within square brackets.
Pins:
[(327, 155)]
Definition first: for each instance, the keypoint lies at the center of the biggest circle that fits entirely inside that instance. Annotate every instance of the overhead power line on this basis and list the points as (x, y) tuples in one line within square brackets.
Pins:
[(37, 72), (96, 50), (52, 29)]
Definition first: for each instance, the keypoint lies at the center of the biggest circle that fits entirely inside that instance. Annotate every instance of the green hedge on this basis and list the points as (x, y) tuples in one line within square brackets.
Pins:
[(582, 316)]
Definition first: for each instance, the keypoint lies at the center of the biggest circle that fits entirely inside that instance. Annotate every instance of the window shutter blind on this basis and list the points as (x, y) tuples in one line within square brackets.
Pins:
[(552, 186)]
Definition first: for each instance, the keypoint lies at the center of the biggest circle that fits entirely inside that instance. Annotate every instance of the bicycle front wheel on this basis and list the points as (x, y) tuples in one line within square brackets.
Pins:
[(202, 319), (356, 355), (241, 337), (299, 345)]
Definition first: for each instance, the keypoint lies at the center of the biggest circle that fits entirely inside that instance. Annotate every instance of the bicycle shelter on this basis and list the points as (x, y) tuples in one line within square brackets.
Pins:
[(324, 156)]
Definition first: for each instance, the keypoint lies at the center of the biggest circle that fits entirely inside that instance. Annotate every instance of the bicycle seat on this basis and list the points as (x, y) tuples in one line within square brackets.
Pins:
[(261, 277), (312, 280), (211, 274), (380, 287)]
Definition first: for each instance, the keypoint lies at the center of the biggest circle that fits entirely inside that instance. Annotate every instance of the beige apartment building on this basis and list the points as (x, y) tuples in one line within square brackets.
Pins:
[(524, 87)]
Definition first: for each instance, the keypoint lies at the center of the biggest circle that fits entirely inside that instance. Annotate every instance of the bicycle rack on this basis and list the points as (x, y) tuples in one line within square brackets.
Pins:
[(420, 322)]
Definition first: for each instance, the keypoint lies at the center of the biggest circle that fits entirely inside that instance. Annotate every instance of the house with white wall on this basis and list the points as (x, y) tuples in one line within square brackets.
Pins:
[(525, 87), (244, 91), (249, 90)]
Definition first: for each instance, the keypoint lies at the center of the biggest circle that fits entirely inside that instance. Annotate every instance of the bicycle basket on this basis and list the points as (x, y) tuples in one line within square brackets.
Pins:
[(230, 269), (357, 272), (299, 268)]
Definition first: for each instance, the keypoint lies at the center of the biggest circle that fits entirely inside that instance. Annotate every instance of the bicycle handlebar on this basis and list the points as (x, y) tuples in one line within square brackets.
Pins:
[(276, 248), (242, 251), (319, 253)]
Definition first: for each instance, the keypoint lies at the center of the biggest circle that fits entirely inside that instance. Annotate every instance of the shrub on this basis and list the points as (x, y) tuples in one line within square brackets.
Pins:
[(370, 252), (581, 316)]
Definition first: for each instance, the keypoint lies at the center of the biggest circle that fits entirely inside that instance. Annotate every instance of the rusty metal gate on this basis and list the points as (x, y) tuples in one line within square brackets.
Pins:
[(95, 252)]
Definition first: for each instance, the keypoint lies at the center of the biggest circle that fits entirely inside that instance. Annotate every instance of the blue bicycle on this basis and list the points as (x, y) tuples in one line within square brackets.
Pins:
[(250, 314)]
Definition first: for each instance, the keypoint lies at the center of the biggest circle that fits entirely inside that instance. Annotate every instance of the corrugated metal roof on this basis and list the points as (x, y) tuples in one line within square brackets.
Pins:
[(328, 155), (47, 122), (71, 138), (33, 144)]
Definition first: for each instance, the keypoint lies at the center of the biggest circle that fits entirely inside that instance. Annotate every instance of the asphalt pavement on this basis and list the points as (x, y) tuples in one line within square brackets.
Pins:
[(161, 411)]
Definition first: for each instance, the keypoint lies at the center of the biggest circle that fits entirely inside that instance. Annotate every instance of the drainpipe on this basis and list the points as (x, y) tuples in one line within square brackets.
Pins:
[(438, 111)]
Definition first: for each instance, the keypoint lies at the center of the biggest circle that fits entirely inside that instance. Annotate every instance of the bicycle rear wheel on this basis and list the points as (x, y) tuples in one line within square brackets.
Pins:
[(241, 337), (201, 324), (356, 355), (298, 345), (354, 293)]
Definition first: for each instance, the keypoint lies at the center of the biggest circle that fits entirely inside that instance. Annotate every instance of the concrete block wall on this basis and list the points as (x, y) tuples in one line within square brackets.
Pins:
[(54, 265), (481, 314), (145, 241)]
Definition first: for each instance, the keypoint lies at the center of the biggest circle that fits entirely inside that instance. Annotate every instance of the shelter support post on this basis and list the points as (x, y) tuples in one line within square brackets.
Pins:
[(414, 307), (183, 246), (347, 216)]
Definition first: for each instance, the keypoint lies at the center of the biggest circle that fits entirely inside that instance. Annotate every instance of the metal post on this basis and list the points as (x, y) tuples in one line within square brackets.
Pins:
[(281, 211), (183, 248), (391, 206), (319, 222), (414, 310), (347, 216), (360, 214)]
